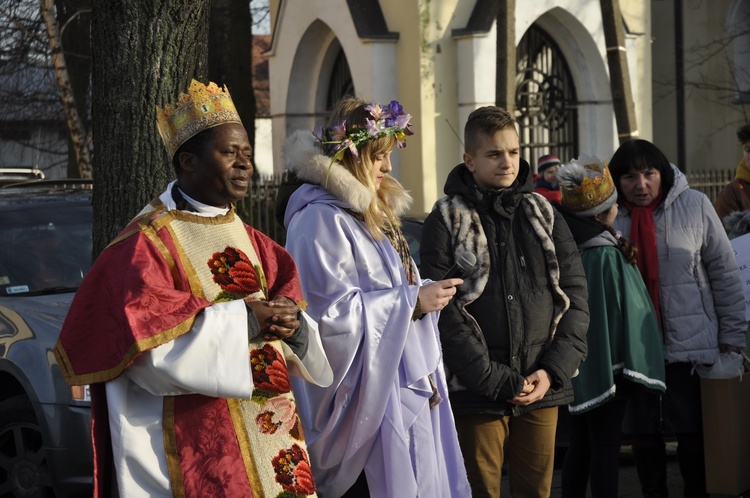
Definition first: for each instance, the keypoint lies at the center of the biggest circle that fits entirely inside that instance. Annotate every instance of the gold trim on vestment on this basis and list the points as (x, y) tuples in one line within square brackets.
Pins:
[(194, 285), (138, 347), (165, 221), (125, 235), (238, 419), (196, 288), (187, 216), (138, 221), (170, 448), (151, 233)]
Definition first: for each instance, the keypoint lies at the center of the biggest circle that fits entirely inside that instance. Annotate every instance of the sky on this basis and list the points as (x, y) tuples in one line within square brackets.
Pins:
[(261, 8)]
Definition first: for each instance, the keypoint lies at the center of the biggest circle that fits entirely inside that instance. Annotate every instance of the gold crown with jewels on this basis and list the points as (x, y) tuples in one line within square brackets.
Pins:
[(586, 185), (200, 108)]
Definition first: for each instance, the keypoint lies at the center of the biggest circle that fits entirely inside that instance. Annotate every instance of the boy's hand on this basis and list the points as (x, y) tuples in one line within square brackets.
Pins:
[(535, 387)]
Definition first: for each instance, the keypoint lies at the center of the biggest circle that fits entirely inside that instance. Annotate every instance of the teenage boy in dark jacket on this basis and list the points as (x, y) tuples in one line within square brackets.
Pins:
[(515, 333)]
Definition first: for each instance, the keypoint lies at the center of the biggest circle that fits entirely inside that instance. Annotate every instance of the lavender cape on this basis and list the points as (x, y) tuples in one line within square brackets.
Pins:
[(376, 415)]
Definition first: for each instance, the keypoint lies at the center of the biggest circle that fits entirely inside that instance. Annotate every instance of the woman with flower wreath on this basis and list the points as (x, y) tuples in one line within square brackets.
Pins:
[(384, 427), (188, 327)]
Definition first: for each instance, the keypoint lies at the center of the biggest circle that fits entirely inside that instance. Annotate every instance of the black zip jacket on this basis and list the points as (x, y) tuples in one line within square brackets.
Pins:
[(505, 333)]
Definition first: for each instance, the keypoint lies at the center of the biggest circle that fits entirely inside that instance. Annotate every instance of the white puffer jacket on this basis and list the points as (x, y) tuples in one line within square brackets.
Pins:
[(700, 292)]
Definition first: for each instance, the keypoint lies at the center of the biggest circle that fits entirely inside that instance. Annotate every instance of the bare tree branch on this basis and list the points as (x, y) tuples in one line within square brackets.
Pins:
[(18, 24), (75, 126), (72, 18)]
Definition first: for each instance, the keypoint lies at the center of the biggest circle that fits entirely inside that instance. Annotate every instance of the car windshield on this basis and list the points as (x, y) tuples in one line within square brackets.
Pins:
[(44, 249)]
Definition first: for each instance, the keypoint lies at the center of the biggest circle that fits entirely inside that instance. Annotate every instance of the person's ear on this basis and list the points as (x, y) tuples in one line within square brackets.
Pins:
[(187, 161), (469, 161)]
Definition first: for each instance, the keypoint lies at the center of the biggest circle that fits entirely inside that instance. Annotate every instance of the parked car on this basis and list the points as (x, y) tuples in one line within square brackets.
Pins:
[(411, 227), (45, 251), (16, 175)]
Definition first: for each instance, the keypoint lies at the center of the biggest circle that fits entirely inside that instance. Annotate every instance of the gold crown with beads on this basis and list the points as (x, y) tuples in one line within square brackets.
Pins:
[(200, 108), (586, 185)]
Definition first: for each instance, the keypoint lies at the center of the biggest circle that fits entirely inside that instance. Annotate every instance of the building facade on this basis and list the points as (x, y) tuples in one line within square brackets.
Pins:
[(438, 58), (32, 133)]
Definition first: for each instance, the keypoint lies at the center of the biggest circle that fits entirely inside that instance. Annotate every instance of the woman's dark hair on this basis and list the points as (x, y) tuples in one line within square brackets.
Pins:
[(743, 134), (640, 155), (193, 145)]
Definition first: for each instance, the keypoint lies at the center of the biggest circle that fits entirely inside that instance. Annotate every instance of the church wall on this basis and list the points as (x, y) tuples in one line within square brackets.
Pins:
[(440, 78), (427, 82), (711, 118)]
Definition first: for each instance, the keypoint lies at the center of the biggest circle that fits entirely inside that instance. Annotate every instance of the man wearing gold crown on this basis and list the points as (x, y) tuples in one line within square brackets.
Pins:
[(187, 328)]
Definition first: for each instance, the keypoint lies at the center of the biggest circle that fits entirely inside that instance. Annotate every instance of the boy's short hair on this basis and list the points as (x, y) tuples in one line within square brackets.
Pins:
[(743, 134), (485, 122)]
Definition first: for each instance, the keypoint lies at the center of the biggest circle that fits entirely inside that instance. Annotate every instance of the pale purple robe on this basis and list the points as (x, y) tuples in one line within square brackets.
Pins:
[(376, 414)]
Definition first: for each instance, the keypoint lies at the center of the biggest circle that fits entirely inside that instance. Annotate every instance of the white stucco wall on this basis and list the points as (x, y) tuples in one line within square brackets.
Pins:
[(711, 117), (440, 78), (263, 152), (308, 35), (579, 34)]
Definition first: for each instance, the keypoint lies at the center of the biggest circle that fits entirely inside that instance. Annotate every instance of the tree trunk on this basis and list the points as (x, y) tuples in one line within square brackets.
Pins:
[(230, 49), (72, 117), (74, 19), (619, 76), (144, 54)]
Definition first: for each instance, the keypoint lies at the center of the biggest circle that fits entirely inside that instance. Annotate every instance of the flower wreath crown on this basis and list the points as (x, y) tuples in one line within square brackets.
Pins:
[(385, 122)]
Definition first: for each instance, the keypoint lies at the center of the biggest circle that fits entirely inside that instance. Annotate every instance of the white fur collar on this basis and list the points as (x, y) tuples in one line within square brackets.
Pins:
[(303, 157)]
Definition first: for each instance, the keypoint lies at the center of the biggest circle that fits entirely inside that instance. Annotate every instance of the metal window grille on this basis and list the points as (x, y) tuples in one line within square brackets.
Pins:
[(546, 104), (258, 208)]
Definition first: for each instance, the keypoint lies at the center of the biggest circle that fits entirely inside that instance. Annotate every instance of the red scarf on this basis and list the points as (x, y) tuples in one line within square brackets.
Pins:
[(643, 235)]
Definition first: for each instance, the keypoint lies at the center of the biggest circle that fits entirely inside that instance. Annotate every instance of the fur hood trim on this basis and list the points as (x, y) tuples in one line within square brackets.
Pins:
[(303, 157), (542, 218), (467, 234), (737, 222)]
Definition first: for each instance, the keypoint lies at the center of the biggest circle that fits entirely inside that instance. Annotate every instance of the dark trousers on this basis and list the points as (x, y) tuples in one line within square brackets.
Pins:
[(594, 451), (651, 462), (679, 409)]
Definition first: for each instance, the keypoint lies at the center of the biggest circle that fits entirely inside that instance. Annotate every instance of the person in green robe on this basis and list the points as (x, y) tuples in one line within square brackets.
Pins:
[(624, 343)]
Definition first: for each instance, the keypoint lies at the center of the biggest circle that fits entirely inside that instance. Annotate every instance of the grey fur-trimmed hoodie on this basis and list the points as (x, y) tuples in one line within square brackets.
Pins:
[(737, 223), (508, 319), (701, 299)]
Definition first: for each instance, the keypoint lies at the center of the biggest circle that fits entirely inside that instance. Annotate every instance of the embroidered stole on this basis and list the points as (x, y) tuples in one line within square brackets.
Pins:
[(233, 447)]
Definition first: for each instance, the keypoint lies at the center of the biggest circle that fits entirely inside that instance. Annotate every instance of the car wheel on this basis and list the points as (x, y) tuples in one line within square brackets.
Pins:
[(23, 464)]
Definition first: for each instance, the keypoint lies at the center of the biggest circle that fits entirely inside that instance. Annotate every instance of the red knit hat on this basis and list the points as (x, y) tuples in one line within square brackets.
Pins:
[(547, 161)]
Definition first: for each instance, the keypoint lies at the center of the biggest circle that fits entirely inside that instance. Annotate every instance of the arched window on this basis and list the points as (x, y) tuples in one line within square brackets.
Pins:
[(341, 82), (546, 105)]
